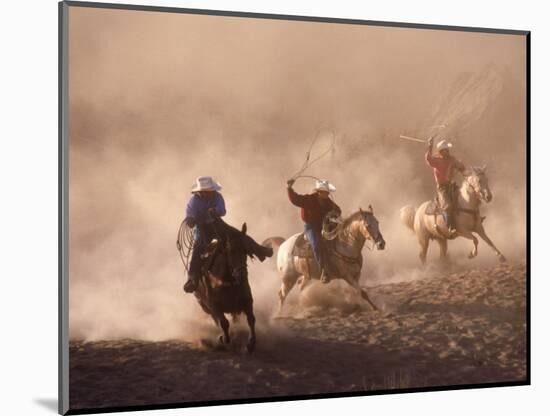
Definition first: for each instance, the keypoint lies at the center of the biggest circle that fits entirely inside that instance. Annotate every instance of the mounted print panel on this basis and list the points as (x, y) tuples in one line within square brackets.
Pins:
[(262, 208)]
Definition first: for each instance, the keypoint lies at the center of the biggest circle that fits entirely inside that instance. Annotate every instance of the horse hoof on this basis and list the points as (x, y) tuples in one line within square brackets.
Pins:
[(502, 259), (250, 346), (223, 340), (471, 256)]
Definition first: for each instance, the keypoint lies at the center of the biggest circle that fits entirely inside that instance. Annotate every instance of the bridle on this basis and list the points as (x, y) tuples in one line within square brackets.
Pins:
[(374, 240), (476, 188), (478, 191)]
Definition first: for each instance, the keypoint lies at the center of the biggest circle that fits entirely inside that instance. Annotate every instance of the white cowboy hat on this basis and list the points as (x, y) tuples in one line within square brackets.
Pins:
[(205, 183), (444, 144), (324, 185)]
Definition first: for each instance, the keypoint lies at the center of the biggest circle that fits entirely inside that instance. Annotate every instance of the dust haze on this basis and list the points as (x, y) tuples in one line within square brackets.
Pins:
[(159, 99)]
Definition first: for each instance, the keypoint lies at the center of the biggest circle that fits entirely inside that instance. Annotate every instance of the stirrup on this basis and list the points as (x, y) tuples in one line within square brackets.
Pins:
[(324, 277)]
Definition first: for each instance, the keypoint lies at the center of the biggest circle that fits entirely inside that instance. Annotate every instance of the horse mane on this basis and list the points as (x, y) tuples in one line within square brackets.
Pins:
[(353, 217), (478, 170)]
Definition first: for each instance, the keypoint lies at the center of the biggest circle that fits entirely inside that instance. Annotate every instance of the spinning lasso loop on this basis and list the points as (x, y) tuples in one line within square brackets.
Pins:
[(308, 163), (184, 243)]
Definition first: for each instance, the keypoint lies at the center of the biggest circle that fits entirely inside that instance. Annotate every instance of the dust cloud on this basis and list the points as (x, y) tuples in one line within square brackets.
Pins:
[(159, 99)]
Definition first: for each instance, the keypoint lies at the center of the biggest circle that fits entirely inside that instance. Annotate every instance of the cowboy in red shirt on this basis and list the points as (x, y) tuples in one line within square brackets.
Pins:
[(444, 167), (315, 207)]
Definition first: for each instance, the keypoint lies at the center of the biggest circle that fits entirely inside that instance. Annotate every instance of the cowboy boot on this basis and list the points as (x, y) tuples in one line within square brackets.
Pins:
[(451, 224), (324, 276), (325, 271)]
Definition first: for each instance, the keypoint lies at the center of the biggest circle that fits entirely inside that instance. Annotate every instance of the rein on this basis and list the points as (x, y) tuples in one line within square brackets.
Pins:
[(473, 212)]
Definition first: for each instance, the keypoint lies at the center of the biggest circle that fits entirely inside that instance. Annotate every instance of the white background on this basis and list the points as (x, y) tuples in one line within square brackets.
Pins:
[(28, 252)]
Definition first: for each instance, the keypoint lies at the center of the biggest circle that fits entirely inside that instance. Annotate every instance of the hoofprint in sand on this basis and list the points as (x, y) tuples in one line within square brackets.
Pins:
[(467, 327)]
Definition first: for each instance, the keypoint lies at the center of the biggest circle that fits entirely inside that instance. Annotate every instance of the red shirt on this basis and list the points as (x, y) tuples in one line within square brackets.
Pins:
[(313, 210), (443, 168)]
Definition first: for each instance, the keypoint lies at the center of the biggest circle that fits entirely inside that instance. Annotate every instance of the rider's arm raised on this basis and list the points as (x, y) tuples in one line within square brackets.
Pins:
[(297, 199), (428, 156)]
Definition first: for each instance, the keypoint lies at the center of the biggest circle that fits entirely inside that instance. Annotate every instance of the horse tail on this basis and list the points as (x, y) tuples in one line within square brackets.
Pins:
[(273, 242), (407, 214)]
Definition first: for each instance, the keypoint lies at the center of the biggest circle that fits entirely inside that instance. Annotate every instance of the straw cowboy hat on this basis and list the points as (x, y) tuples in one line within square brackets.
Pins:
[(444, 144), (324, 185), (205, 183)]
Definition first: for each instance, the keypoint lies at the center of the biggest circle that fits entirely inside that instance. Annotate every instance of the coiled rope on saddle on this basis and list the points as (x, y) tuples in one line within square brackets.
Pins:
[(184, 243)]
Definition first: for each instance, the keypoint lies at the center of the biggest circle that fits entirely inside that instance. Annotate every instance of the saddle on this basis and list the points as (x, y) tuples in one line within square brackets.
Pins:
[(331, 223), (302, 248), (434, 207)]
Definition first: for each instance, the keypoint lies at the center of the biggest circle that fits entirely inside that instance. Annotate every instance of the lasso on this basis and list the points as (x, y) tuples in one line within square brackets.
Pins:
[(307, 163), (184, 243)]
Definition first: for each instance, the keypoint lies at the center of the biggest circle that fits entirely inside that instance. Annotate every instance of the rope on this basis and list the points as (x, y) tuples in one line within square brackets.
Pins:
[(307, 162), (184, 243), (306, 176)]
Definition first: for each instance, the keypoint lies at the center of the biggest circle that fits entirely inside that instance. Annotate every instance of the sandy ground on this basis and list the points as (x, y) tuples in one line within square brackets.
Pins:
[(452, 328)]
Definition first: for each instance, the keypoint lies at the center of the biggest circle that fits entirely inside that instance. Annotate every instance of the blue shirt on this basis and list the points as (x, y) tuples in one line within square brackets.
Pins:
[(197, 207)]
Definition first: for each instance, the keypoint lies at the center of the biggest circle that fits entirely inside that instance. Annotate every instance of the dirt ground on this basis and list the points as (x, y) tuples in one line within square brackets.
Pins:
[(456, 328)]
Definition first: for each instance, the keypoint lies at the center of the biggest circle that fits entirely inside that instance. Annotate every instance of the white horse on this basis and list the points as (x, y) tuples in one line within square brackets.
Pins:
[(474, 190), (345, 256)]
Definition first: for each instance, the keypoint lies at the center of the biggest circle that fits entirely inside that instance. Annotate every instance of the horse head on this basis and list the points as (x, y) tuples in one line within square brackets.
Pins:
[(477, 180), (370, 228), (236, 256), (226, 258)]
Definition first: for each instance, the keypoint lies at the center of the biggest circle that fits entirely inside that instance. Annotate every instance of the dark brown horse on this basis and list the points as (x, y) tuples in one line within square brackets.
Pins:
[(224, 288)]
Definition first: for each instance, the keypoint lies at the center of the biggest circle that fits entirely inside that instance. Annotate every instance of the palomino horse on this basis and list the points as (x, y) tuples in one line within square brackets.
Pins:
[(474, 190), (345, 257)]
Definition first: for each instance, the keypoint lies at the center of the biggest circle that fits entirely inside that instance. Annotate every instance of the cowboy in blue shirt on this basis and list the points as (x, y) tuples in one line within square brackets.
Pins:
[(205, 205)]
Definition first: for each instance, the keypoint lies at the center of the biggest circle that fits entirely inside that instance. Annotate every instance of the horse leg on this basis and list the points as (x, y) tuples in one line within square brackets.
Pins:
[(224, 323), (286, 287), (355, 284), (473, 253), (442, 249), (424, 242), (251, 319), (481, 232), (306, 280), (365, 296)]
